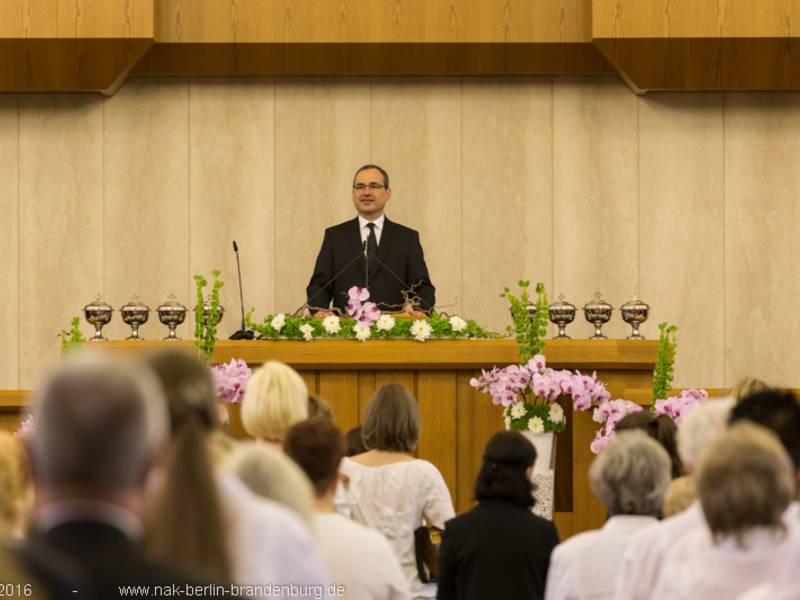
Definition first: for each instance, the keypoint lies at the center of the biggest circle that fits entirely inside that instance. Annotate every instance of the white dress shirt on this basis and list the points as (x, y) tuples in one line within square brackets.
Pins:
[(269, 544), (393, 499), (362, 227), (695, 569), (585, 565), (360, 559), (644, 557)]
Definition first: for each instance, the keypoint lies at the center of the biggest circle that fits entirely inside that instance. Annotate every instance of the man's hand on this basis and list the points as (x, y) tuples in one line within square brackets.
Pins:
[(417, 314), (321, 314)]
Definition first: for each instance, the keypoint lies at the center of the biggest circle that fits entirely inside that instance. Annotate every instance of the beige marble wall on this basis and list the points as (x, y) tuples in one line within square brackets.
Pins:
[(687, 199)]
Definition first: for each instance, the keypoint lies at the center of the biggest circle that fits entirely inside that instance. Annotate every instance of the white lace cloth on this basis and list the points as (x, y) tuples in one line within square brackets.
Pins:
[(393, 499), (545, 481)]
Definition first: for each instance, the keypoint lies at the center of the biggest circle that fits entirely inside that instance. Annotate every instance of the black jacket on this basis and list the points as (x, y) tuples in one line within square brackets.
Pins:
[(99, 559), (496, 550), (403, 266)]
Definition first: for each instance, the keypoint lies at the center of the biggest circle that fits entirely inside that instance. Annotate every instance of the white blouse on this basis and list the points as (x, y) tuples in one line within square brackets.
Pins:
[(393, 499), (584, 566)]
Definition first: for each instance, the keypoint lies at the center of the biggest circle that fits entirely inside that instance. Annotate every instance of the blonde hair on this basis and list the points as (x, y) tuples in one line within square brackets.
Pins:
[(679, 496), (747, 386), (273, 475), (745, 479), (276, 398), (15, 488)]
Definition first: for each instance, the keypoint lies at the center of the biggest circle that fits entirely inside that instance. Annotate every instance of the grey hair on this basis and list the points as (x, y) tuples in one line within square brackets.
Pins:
[(631, 474), (700, 427), (273, 475), (99, 423)]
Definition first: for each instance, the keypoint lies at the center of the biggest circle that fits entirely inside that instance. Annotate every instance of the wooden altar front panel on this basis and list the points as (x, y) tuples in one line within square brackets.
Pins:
[(457, 421)]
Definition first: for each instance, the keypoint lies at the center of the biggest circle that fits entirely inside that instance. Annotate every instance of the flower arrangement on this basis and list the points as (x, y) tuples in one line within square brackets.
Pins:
[(73, 339), (529, 394), (230, 380), (205, 329), (25, 428), (529, 331), (365, 321)]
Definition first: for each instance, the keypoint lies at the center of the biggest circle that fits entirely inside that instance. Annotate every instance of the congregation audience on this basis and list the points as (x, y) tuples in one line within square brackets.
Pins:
[(747, 386), (391, 491), (679, 496), (745, 482), (270, 474), (263, 542), (659, 427), (642, 562), (100, 427), (355, 444), (318, 407), (275, 399), (629, 477), (358, 558), (501, 536)]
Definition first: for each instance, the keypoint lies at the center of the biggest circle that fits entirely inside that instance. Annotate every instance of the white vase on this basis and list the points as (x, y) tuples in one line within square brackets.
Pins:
[(545, 444), (543, 471)]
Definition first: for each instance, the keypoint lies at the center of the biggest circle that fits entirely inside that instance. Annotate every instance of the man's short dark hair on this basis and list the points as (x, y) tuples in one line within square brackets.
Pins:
[(503, 475), (779, 412), (376, 167)]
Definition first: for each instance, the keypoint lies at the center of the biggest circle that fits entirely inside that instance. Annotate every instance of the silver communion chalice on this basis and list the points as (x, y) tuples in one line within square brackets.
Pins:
[(562, 313), (634, 313), (172, 313), (598, 312), (98, 313), (135, 313)]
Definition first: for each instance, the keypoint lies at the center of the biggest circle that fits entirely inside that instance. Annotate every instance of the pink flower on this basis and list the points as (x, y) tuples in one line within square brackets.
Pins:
[(230, 380), (357, 294)]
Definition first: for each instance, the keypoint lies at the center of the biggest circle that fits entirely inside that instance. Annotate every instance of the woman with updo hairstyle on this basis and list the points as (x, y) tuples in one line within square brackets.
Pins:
[(391, 491), (501, 536), (660, 428)]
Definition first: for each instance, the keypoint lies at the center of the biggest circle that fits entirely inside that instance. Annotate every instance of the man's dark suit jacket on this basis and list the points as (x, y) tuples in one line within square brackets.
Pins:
[(496, 550), (399, 250), (99, 556)]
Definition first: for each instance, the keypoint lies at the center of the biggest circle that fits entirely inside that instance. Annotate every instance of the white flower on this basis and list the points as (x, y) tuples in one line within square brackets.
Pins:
[(518, 410), (536, 425), (556, 414), (457, 323), (308, 331), (363, 332), (421, 330), (385, 323), (278, 321), (331, 324)]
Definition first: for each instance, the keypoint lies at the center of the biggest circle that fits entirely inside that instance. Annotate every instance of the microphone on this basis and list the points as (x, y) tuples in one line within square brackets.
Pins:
[(243, 333), (332, 279)]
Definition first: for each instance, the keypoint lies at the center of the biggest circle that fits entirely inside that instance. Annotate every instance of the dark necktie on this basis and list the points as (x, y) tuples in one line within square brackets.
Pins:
[(372, 245)]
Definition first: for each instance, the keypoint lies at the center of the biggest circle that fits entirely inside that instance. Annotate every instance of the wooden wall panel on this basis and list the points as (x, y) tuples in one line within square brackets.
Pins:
[(9, 241), (61, 213), (321, 137), (341, 392), (506, 178), (146, 200), (232, 190), (595, 194), (681, 207), (415, 130), (465, 422), (436, 393), (76, 19)]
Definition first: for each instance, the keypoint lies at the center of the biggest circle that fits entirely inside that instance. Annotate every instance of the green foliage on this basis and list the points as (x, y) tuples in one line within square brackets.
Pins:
[(664, 370), (205, 330), (73, 339), (529, 332)]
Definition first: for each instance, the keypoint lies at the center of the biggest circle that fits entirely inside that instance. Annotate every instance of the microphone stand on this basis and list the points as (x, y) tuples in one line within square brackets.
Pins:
[(331, 280), (243, 333)]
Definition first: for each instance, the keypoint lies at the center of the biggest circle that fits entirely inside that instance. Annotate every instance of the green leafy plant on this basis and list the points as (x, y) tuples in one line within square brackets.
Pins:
[(664, 370), (529, 332), (72, 339), (205, 329)]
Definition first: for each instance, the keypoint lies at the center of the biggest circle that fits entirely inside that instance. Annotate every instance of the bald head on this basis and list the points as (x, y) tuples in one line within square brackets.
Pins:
[(98, 423)]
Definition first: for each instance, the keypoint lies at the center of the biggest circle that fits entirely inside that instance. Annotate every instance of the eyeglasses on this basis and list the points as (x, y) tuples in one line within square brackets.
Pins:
[(372, 187)]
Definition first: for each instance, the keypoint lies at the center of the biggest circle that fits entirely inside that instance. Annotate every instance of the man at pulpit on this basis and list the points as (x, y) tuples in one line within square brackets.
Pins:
[(373, 252)]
